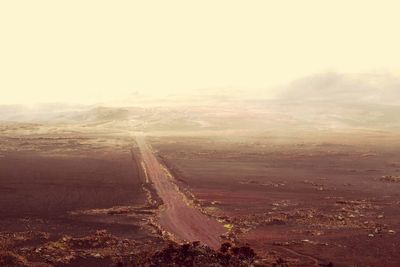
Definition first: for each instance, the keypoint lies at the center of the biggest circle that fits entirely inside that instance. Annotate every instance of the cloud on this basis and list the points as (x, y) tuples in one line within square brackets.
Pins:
[(341, 88)]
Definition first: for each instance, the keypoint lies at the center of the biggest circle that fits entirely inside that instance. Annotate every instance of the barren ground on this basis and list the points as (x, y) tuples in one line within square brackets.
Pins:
[(309, 201), (57, 186), (78, 196)]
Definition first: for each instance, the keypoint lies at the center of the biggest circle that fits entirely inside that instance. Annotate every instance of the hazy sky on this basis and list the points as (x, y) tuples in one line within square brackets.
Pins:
[(89, 51)]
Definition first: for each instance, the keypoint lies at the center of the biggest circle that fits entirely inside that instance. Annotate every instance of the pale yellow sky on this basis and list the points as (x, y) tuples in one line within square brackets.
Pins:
[(89, 51)]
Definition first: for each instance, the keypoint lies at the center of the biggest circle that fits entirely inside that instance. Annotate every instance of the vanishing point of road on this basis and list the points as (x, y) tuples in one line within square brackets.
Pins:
[(183, 221)]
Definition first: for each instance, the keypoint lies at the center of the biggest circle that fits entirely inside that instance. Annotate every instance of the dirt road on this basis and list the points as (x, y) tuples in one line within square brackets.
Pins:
[(183, 221)]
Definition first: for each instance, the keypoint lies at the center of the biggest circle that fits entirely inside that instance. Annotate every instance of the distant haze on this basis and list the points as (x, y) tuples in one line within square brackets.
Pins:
[(96, 51), (326, 101)]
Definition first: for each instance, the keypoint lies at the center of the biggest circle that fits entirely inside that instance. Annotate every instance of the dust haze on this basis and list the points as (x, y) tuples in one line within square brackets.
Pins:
[(325, 101), (212, 133)]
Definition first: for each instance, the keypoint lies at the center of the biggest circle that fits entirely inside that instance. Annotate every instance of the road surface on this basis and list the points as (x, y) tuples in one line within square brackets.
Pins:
[(184, 222)]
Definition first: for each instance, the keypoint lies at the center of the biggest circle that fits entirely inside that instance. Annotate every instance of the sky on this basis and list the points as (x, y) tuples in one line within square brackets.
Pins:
[(84, 51)]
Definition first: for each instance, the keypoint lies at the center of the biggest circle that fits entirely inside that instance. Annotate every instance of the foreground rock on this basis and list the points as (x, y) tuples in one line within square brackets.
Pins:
[(194, 254), (103, 249)]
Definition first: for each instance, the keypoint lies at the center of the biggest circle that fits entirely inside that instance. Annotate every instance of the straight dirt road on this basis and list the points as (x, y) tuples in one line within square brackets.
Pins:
[(183, 221)]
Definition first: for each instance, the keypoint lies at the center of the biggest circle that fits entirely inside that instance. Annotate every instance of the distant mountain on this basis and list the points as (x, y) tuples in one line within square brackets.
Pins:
[(329, 100), (345, 88), (103, 114), (358, 100)]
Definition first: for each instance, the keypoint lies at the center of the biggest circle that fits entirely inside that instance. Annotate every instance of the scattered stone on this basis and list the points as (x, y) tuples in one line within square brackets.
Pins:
[(194, 254), (390, 178)]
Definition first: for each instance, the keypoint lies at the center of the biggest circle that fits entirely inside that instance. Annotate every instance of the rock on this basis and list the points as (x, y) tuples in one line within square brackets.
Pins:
[(10, 259), (199, 255)]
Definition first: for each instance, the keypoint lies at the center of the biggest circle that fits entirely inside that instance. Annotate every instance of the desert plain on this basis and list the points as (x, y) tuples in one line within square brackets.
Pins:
[(235, 182)]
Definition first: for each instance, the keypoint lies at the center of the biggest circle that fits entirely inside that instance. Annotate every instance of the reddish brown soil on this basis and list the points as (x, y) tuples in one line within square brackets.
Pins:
[(54, 187), (36, 187), (178, 217), (309, 202)]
